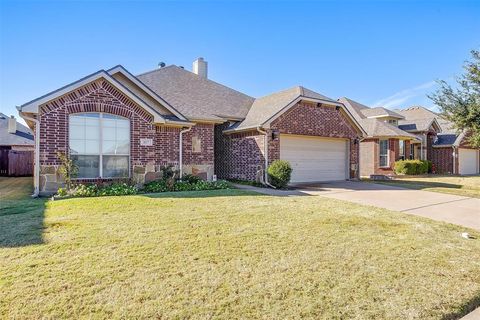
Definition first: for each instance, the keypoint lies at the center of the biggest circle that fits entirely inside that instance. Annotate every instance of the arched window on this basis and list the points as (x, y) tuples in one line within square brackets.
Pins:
[(100, 145)]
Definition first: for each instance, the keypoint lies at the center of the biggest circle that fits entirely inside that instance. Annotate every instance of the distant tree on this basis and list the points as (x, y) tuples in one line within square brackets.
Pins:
[(461, 105)]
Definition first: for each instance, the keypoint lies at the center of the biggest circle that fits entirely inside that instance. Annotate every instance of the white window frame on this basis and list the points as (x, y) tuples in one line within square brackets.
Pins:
[(101, 154), (380, 154), (402, 156)]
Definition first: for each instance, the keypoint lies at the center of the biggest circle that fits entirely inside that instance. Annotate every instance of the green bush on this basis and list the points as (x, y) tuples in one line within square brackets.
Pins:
[(93, 190), (117, 189), (279, 173), (163, 186), (190, 178), (412, 167)]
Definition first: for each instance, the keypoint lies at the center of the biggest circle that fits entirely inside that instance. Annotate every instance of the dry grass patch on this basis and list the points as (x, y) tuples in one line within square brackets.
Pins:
[(231, 254), (468, 186)]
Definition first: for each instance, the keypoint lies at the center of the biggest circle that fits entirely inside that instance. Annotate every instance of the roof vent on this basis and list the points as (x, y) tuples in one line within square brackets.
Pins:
[(161, 65), (200, 67)]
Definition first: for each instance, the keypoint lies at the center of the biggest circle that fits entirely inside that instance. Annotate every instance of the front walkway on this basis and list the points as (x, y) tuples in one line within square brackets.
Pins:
[(454, 209)]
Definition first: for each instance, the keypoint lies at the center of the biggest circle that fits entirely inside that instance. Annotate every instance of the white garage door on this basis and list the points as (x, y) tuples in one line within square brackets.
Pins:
[(314, 159), (468, 161)]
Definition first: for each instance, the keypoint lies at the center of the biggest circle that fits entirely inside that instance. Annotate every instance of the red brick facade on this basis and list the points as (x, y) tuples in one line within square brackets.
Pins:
[(101, 96), (241, 155), (370, 156), (442, 159)]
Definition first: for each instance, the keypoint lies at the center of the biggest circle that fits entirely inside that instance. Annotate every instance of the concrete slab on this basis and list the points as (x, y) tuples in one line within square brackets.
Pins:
[(454, 209)]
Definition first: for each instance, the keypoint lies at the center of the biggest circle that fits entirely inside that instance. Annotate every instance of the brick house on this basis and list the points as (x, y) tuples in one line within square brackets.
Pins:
[(412, 133), (115, 125)]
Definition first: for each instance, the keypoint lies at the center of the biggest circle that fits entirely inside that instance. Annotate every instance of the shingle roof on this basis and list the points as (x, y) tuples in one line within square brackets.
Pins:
[(445, 140), (418, 113), (380, 112), (196, 97), (377, 128), (354, 107), (266, 107), (415, 125), (23, 136), (373, 126)]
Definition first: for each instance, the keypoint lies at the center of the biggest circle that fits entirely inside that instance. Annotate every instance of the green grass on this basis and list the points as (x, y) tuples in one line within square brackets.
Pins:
[(468, 186), (231, 254)]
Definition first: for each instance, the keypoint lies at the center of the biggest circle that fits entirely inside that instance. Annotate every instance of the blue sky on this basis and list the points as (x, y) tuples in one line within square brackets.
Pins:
[(378, 53)]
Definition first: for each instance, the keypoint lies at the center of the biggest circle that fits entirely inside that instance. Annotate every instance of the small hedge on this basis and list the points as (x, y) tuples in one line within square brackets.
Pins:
[(189, 183), (166, 186), (279, 173), (412, 167)]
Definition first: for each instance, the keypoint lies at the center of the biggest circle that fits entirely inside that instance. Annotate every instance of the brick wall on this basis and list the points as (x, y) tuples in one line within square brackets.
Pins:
[(370, 156), (240, 156), (145, 161), (309, 119), (442, 159)]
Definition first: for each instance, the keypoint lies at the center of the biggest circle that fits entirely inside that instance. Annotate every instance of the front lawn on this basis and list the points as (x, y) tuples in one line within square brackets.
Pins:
[(232, 254), (468, 186)]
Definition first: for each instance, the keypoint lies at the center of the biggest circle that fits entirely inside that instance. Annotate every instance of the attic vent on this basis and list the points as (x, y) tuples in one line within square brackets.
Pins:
[(161, 64)]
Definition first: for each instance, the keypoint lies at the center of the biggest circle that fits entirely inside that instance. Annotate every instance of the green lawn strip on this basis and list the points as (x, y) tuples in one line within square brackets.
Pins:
[(232, 254), (462, 186)]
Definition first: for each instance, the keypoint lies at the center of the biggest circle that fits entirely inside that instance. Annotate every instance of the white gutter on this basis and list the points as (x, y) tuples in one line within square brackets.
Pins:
[(180, 161), (36, 168), (454, 160), (265, 151)]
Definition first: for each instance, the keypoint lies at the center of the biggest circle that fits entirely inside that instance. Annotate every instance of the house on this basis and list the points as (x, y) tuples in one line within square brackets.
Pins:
[(447, 149), (14, 135), (115, 125), (385, 142), (411, 133), (16, 147)]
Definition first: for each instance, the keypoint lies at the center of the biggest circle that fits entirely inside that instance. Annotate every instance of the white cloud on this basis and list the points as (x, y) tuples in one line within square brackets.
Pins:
[(398, 99)]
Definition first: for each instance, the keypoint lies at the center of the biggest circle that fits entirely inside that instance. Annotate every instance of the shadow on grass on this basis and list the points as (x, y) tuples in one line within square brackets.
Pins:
[(21, 217), (468, 307), (203, 194)]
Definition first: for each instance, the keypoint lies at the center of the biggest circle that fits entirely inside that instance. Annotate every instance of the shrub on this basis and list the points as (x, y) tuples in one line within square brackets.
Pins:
[(279, 173), (190, 178), (117, 189), (68, 169), (163, 186), (85, 190), (412, 167)]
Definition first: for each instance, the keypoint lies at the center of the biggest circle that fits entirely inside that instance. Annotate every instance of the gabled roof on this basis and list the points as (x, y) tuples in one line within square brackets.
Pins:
[(22, 137), (377, 128), (380, 112), (354, 107), (421, 113), (32, 106), (196, 97), (418, 125), (265, 109)]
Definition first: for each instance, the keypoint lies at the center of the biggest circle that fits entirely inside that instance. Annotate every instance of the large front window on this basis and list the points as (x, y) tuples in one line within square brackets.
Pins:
[(383, 153), (100, 145)]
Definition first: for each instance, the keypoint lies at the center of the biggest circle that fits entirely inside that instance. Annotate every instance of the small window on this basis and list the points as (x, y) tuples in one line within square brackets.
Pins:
[(100, 145), (393, 122), (383, 153), (401, 151), (196, 144)]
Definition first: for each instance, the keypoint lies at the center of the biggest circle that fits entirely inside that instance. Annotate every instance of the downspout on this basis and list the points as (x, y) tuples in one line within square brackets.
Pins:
[(180, 160), (36, 172), (454, 160), (265, 152)]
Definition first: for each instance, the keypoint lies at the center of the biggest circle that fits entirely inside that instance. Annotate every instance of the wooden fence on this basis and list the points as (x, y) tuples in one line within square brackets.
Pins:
[(16, 163)]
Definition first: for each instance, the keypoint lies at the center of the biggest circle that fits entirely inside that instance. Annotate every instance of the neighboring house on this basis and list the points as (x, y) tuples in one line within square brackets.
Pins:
[(117, 125), (14, 135), (384, 143), (412, 133), (446, 148), (16, 147)]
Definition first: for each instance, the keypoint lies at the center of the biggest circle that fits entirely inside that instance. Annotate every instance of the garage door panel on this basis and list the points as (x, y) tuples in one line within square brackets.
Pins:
[(314, 158), (468, 161)]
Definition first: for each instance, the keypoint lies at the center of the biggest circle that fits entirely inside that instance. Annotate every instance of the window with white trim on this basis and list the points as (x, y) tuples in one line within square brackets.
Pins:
[(401, 151), (383, 161), (100, 145)]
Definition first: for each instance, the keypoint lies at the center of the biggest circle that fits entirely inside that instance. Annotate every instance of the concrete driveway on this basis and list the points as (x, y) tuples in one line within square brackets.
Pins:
[(459, 210), (454, 209)]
